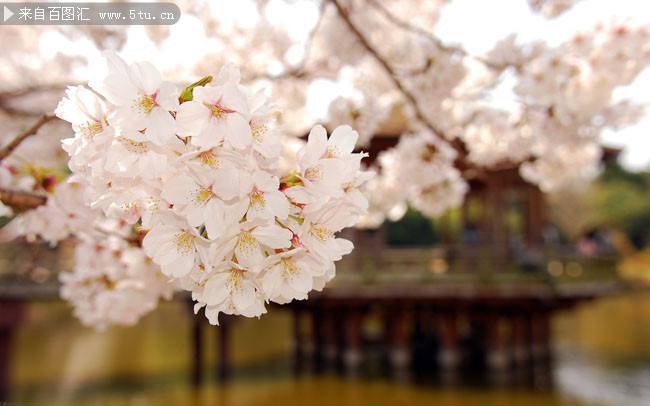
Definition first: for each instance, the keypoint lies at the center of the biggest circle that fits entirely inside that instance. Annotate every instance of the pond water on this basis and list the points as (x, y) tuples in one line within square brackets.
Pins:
[(602, 357)]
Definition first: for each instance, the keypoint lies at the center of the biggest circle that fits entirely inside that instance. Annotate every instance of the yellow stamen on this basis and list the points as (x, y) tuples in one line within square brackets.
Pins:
[(146, 103), (237, 275), (331, 153), (320, 232), (184, 242), (90, 129), (217, 111), (258, 132), (246, 241), (202, 195), (134, 146), (257, 198), (313, 173), (289, 266), (208, 159)]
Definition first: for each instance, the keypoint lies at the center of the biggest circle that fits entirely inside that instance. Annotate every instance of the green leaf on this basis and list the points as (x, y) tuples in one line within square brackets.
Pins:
[(292, 179), (187, 94)]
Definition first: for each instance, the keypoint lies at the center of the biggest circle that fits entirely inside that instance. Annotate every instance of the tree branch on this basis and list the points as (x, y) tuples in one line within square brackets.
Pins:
[(21, 200), (9, 148), (410, 97), (392, 18)]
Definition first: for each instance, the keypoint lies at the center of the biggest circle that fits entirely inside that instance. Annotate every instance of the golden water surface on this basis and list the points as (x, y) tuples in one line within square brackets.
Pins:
[(602, 358)]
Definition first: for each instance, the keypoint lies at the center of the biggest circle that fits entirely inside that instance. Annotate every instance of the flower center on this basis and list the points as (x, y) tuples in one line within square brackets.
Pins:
[(320, 232), (246, 241), (202, 195), (237, 276), (289, 266), (218, 111), (331, 152), (313, 173), (258, 132), (257, 198), (208, 159), (152, 204), (134, 146), (90, 129), (184, 242), (146, 103)]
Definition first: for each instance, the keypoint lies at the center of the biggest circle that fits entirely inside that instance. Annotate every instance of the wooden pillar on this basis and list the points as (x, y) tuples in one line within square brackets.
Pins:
[(541, 335), (449, 353), (298, 338), (496, 206), (11, 313), (534, 216), (396, 329), (521, 339), (497, 343), (196, 342), (316, 335), (223, 371), (329, 337), (352, 355)]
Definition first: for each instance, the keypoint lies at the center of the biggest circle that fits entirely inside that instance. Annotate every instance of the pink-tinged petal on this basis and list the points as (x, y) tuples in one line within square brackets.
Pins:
[(272, 280), (227, 183), (192, 118), (167, 96), (180, 267), (117, 90), (206, 94), (224, 250), (315, 148), (233, 99), (238, 131), (300, 281), (300, 194), (358, 199), (146, 77), (160, 127), (249, 253), (339, 247), (278, 204), (342, 140), (211, 135), (179, 190), (273, 236), (265, 182), (215, 290), (214, 218), (244, 296)]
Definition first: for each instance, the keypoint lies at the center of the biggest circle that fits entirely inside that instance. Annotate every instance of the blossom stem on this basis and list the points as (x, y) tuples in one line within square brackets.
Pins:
[(9, 148), (410, 97), (21, 200)]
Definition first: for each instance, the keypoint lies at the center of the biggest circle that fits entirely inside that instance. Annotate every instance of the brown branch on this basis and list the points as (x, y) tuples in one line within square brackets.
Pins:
[(9, 148), (299, 71), (410, 97), (29, 90), (392, 18), (21, 200)]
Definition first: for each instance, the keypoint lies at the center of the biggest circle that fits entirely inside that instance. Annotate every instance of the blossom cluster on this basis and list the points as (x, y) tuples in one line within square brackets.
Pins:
[(419, 171), (112, 283), (200, 172)]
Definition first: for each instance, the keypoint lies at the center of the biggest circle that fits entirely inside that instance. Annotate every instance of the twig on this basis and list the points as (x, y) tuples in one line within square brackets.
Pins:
[(430, 37), (299, 71), (410, 97), (21, 200), (9, 148)]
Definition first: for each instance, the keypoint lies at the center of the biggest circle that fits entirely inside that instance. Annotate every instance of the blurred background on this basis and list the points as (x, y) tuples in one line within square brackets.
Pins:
[(520, 277)]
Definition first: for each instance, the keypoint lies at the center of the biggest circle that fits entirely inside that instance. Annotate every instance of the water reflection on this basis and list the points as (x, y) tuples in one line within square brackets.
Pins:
[(602, 357)]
